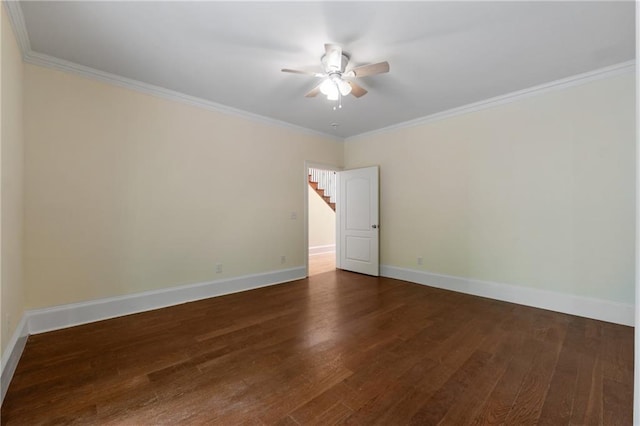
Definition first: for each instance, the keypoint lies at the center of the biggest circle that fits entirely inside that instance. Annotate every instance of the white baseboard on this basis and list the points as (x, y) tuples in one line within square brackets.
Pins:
[(58, 317), (12, 355), (329, 248), (603, 310)]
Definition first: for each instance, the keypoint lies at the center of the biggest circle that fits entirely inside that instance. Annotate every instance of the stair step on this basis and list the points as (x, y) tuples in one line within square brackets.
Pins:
[(320, 192)]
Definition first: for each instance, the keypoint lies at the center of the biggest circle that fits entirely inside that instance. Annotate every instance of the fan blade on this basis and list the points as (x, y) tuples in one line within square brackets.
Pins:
[(313, 92), (357, 90), (315, 74), (333, 53), (371, 69)]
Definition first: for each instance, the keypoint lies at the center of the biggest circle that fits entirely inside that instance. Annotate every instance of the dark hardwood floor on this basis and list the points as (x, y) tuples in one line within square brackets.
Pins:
[(335, 348)]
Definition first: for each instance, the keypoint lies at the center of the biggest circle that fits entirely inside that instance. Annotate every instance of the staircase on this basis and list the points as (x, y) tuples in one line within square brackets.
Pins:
[(324, 183)]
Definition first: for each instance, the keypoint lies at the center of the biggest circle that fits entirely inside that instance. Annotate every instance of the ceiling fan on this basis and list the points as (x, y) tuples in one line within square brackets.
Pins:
[(334, 84)]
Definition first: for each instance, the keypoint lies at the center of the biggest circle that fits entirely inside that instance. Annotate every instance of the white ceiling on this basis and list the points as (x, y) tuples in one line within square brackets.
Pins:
[(442, 54)]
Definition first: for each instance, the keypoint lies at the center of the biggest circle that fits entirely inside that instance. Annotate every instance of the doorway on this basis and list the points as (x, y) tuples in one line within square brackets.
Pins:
[(348, 236), (320, 182)]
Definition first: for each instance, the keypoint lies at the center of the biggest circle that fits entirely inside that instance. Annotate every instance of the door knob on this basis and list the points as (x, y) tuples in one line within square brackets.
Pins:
[(374, 226)]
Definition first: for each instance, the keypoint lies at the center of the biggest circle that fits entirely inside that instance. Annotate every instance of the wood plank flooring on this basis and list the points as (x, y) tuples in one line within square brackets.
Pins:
[(337, 348), (319, 263)]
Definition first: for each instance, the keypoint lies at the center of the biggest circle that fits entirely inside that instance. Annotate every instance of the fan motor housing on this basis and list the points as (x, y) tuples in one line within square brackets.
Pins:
[(332, 68)]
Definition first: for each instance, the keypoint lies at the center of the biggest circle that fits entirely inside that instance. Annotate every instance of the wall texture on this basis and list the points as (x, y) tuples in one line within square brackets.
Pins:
[(126, 192), (11, 168), (536, 193), (322, 221)]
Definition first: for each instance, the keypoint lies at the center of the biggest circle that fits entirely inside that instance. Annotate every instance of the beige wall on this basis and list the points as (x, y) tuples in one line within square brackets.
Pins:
[(11, 168), (322, 221), (126, 192), (536, 193)]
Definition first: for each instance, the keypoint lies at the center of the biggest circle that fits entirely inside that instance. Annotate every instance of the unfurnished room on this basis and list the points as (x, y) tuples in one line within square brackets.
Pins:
[(335, 212)]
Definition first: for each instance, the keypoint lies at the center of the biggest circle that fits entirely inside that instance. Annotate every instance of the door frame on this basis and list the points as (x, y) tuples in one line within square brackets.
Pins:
[(324, 166)]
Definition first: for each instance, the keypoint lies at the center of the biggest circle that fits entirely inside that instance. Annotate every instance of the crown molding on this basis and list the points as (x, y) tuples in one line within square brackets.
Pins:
[(14, 12), (575, 80), (16, 18), (19, 27), (150, 89)]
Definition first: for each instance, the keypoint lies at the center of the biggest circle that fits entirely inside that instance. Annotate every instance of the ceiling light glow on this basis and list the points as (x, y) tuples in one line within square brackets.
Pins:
[(328, 87), (344, 87)]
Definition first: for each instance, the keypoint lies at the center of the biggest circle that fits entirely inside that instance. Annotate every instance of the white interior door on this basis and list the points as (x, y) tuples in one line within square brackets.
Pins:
[(357, 216)]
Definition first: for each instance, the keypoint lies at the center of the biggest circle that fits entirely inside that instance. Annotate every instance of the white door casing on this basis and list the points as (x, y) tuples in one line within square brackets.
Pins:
[(305, 181), (358, 227)]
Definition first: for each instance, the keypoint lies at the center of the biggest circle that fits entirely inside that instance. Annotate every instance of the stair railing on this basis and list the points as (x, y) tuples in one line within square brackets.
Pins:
[(326, 180)]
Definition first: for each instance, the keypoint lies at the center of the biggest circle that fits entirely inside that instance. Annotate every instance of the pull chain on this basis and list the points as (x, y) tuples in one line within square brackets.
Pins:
[(338, 102)]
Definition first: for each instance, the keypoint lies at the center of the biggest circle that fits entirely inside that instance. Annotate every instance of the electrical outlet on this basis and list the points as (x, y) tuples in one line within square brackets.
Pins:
[(283, 259), (419, 259), (218, 268)]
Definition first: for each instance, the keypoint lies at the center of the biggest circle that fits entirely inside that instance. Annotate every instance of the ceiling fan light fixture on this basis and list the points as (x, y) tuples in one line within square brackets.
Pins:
[(333, 84), (329, 89), (326, 86), (344, 87)]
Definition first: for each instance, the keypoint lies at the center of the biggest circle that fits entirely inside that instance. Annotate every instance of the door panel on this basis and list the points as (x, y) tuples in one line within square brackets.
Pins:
[(357, 213), (358, 248)]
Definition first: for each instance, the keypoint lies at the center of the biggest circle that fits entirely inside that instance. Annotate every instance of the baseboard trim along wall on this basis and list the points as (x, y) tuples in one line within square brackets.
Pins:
[(603, 310), (58, 317), (12, 355), (329, 248)]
